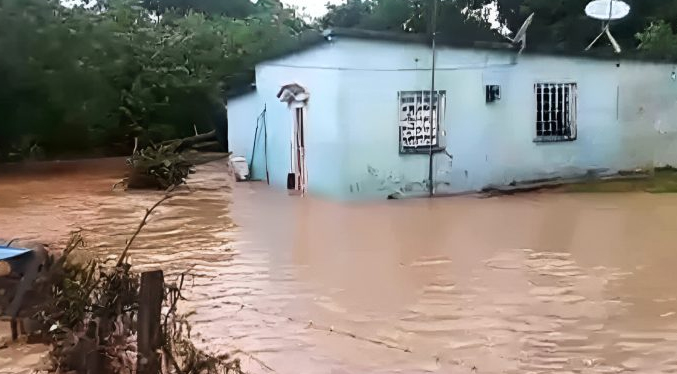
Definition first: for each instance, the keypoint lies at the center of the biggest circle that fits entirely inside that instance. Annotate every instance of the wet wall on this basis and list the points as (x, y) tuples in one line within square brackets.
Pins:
[(625, 117)]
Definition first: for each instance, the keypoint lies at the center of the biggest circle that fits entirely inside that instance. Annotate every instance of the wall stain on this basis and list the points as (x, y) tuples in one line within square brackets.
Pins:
[(390, 182)]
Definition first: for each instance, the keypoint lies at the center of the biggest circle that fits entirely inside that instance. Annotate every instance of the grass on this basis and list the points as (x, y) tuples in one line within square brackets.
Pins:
[(662, 180)]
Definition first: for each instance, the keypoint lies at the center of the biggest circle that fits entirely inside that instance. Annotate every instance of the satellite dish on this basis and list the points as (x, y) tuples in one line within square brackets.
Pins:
[(607, 10), (521, 35)]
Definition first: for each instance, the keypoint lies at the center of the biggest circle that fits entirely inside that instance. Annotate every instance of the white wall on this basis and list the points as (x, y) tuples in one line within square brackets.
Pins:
[(242, 115), (619, 108), (626, 117), (648, 111), (324, 157)]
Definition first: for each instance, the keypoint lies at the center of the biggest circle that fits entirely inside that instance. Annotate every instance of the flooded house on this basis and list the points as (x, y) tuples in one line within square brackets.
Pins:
[(350, 116)]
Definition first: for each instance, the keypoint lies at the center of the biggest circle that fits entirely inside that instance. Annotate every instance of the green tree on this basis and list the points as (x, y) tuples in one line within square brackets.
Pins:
[(658, 40), (77, 80), (51, 91), (558, 25), (229, 8), (350, 14), (414, 16), (563, 25)]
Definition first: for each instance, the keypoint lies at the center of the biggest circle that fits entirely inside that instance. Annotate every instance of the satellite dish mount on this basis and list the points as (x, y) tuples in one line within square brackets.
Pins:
[(607, 11), (521, 35)]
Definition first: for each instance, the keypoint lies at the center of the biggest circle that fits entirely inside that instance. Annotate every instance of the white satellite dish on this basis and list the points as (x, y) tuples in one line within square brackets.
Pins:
[(521, 35), (607, 10)]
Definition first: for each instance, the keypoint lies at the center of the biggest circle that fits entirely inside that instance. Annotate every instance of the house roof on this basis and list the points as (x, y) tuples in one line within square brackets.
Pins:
[(402, 37), (499, 44), (312, 39), (241, 89)]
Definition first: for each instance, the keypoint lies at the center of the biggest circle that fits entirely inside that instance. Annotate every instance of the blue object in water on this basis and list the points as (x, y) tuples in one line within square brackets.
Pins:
[(7, 253)]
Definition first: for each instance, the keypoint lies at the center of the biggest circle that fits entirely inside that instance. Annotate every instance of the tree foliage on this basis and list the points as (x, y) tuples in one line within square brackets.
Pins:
[(92, 78), (558, 25), (230, 8), (86, 78), (563, 25), (658, 40), (455, 17)]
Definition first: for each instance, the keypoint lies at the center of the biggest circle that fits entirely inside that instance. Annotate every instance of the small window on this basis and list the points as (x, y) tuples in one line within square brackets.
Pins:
[(555, 112), (419, 125)]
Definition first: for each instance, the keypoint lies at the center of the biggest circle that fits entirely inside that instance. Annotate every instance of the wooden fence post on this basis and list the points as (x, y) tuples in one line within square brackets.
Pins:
[(150, 331)]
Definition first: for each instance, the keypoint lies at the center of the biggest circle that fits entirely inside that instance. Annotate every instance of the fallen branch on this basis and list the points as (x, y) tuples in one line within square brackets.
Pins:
[(143, 222), (252, 357), (168, 354), (174, 293), (189, 142)]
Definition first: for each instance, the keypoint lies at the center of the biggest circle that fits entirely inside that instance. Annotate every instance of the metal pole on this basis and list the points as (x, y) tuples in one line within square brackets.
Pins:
[(606, 24), (265, 140), (432, 92)]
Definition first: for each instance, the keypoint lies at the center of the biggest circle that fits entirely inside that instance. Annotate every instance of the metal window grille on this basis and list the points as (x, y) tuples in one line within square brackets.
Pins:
[(556, 107), (419, 124)]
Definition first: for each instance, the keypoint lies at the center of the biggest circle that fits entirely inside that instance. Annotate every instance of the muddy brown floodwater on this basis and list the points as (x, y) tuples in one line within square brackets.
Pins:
[(537, 283)]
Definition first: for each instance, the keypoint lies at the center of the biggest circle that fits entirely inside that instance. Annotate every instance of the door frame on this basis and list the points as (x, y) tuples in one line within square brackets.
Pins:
[(298, 145)]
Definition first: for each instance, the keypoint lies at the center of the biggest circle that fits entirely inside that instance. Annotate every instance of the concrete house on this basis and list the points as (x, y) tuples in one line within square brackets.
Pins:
[(349, 116)]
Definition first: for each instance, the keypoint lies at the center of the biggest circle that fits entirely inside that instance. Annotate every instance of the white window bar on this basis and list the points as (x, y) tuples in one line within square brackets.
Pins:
[(567, 112), (556, 105), (574, 111), (419, 116), (551, 113), (542, 90), (563, 107), (546, 100), (557, 117), (543, 116)]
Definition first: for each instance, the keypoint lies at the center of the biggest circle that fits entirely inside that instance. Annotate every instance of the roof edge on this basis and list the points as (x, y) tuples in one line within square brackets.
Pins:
[(415, 39), (241, 91), (314, 38)]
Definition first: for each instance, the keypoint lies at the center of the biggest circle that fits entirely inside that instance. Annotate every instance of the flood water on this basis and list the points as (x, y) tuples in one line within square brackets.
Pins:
[(535, 283)]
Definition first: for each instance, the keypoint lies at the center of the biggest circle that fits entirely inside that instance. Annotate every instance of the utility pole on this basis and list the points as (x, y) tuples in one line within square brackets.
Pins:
[(432, 97)]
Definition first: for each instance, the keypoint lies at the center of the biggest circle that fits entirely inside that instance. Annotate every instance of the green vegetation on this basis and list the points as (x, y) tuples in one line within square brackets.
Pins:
[(658, 40), (90, 79), (557, 26), (662, 180), (562, 25), (86, 80), (89, 312), (464, 17)]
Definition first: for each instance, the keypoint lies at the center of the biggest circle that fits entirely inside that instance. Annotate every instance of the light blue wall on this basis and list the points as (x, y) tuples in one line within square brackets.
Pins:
[(618, 108), (626, 117), (243, 112), (648, 112), (323, 143)]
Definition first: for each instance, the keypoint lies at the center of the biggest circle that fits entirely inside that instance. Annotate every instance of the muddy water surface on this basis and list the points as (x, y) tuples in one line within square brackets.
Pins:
[(535, 283), (539, 283)]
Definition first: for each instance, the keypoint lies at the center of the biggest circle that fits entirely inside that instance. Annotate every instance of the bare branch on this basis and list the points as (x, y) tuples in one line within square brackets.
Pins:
[(168, 195)]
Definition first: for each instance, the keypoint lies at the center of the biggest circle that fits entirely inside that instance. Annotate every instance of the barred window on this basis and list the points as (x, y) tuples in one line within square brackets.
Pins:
[(556, 105), (419, 125)]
